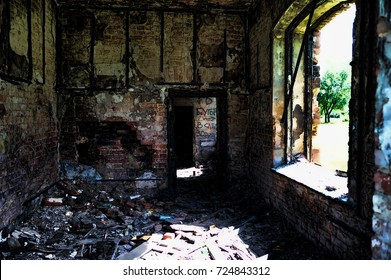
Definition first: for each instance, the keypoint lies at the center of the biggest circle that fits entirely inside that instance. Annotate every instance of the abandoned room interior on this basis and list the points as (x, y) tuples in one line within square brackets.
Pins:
[(125, 123)]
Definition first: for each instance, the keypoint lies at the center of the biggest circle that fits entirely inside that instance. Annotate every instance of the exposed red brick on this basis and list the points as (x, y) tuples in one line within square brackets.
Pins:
[(382, 183)]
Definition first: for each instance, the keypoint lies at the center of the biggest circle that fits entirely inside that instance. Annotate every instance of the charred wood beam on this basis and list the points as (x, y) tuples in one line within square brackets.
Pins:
[(366, 107), (43, 18), (257, 67), (29, 42), (308, 95), (208, 9), (129, 180), (127, 52), (151, 9), (59, 53), (225, 52), (247, 57), (92, 48), (194, 50), (161, 42), (296, 70)]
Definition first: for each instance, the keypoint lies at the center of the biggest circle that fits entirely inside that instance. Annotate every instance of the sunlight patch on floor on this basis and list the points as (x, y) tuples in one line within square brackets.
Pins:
[(189, 172)]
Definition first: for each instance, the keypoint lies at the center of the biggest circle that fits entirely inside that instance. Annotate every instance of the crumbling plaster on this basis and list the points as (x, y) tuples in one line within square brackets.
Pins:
[(128, 62), (28, 116), (381, 242)]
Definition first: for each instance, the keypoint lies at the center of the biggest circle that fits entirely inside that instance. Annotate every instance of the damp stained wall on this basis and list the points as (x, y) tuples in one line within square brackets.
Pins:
[(116, 68), (28, 121)]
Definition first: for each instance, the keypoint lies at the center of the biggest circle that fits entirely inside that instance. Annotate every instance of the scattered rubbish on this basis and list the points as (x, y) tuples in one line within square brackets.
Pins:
[(224, 245), (51, 201), (73, 254), (162, 218), (106, 221), (71, 170), (50, 257)]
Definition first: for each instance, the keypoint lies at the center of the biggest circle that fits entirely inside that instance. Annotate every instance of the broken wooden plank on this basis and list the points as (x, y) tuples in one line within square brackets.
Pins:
[(137, 252), (142, 249), (264, 257), (214, 250), (244, 255), (187, 228), (189, 236)]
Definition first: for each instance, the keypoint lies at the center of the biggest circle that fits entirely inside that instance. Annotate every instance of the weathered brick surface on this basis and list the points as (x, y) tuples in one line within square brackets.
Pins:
[(28, 125), (163, 50)]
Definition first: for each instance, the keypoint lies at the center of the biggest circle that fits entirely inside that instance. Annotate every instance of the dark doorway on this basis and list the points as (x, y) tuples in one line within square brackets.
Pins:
[(197, 137), (183, 131)]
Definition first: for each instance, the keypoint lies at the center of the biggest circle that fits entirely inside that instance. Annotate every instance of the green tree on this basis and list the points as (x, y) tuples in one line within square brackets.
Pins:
[(334, 92)]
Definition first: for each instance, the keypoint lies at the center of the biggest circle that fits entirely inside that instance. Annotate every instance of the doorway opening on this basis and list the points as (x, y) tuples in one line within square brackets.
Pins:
[(196, 140), (183, 133), (195, 136)]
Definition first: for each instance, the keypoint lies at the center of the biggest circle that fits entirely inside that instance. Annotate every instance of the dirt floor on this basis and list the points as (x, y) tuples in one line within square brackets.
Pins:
[(330, 145), (109, 221)]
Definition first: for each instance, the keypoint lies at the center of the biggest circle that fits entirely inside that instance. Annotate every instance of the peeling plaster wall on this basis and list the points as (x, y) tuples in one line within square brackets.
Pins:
[(118, 66), (381, 241), (28, 123), (342, 228)]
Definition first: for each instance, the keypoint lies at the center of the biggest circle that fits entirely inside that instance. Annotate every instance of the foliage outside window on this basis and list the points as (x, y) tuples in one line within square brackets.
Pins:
[(334, 93)]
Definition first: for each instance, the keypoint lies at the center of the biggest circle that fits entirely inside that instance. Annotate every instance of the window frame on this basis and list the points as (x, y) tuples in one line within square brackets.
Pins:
[(284, 35)]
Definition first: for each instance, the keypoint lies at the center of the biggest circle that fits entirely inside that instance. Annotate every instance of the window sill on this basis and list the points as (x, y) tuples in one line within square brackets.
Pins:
[(317, 178)]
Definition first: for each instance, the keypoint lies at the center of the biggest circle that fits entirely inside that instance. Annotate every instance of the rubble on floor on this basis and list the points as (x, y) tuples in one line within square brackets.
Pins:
[(80, 220)]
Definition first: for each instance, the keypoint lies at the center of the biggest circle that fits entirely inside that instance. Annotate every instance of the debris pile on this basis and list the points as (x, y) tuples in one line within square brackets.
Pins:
[(80, 220), (190, 242)]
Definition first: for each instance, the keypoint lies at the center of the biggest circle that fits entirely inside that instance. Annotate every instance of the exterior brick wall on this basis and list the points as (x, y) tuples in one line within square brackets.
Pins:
[(28, 123)]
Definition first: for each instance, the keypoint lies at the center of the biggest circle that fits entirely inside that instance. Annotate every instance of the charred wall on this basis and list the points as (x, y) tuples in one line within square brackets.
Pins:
[(28, 123), (116, 67)]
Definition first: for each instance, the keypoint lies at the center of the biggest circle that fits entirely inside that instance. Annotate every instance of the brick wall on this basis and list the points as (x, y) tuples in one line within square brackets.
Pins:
[(118, 66), (28, 124)]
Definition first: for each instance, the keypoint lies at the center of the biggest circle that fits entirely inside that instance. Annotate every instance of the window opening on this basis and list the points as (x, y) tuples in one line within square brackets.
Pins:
[(332, 57), (295, 104)]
